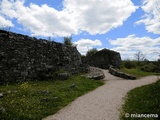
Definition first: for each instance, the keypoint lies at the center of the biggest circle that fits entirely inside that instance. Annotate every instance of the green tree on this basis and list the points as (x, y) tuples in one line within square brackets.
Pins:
[(67, 41), (91, 52)]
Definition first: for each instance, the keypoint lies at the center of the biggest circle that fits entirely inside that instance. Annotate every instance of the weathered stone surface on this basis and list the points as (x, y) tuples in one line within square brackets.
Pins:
[(2, 110), (1, 95), (63, 76), (12, 92), (95, 73), (44, 100), (104, 58), (24, 57), (73, 86), (43, 92), (55, 97), (120, 74)]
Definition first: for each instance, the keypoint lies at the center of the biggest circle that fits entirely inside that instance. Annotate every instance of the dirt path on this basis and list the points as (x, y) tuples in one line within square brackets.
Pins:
[(104, 102)]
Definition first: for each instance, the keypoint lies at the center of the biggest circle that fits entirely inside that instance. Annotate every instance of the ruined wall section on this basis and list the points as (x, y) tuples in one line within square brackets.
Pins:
[(104, 58), (23, 57)]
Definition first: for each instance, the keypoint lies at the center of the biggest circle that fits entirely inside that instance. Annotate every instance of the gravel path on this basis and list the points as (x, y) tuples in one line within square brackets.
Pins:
[(103, 103)]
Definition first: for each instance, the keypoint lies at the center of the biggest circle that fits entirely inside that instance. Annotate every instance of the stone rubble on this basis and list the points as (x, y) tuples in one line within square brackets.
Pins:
[(95, 73), (1, 95)]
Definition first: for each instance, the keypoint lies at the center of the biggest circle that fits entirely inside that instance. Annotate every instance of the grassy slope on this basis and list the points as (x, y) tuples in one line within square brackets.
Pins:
[(143, 100), (36, 100), (137, 72)]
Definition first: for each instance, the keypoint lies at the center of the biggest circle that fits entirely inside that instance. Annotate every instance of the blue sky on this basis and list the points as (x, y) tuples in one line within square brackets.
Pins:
[(126, 26)]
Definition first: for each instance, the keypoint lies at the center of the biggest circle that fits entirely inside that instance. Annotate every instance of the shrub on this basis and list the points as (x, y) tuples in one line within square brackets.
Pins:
[(149, 68), (91, 52), (67, 40), (129, 64)]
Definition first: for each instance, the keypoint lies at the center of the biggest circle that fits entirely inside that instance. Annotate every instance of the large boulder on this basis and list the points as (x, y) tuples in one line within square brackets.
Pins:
[(104, 58), (95, 73)]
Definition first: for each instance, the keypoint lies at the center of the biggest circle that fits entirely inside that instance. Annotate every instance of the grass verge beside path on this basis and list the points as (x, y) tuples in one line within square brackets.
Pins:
[(37, 100), (137, 72), (142, 100)]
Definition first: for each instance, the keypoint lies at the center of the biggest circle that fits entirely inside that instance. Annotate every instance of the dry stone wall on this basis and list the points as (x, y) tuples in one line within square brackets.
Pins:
[(23, 57), (117, 73)]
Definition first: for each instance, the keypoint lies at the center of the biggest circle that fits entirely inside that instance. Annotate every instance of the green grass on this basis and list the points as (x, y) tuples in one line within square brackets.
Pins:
[(142, 100), (36, 100), (137, 72)]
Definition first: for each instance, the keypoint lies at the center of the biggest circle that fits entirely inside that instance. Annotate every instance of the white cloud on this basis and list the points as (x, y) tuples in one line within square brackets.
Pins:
[(92, 16), (83, 45), (46, 21), (40, 20), (8, 8), (5, 23), (151, 19), (99, 16), (131, 44)]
